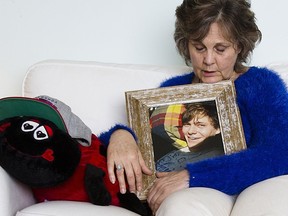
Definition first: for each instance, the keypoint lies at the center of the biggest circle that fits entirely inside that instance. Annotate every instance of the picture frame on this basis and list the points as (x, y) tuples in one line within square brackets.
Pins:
[(142, 104)]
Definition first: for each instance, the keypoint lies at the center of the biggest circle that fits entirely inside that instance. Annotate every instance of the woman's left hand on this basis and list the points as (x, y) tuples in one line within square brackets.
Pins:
[(123, 150), (165, 184)]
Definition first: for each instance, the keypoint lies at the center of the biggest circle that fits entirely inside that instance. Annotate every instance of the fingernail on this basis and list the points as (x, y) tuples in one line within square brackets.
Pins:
[(112, 180), (123, 191), (139, 188)]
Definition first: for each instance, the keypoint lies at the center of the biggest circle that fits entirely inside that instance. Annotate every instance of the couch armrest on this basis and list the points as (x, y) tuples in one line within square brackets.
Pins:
[(14, 196)]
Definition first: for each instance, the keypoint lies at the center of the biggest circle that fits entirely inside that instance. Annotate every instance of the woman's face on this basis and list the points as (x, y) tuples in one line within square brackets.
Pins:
[(213, 59), (197, 130)]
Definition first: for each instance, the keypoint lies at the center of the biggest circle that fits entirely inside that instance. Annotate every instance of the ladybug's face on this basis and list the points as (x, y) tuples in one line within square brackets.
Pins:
[(40, 132), (31, 136), (36, 152)]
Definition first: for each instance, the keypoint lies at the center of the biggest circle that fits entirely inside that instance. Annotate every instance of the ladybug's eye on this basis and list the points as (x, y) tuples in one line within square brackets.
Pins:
[(28, 126), (40, 133)]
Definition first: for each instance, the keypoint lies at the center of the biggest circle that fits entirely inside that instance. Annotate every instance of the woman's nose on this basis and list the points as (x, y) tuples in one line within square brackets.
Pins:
[(208, 58)]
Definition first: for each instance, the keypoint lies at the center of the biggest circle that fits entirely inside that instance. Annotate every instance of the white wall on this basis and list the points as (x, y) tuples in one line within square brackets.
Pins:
[(272, 17), (118, 31)]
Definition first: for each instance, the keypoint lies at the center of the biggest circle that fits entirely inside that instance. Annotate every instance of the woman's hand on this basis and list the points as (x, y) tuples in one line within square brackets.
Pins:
[(165, 184), (124, 152)]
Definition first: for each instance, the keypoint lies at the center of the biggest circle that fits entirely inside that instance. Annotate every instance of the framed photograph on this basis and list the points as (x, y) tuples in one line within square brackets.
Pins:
[(184, 124)]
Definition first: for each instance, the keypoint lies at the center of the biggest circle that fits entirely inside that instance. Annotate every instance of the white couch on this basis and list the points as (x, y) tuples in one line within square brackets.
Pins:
[(95, 92)]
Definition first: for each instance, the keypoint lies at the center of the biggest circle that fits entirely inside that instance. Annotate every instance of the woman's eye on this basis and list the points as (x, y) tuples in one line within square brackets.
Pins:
[(28, 126), (220, 49), (199, 48)]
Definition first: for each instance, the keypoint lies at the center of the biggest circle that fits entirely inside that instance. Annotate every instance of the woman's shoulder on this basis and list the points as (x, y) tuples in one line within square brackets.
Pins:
[(182, 79), (261, 73), (259, 82), (260, 76)]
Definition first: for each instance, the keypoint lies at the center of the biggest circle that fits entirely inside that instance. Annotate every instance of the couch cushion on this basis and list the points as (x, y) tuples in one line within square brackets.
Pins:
[(281, 69), (94, 91), (14, 195), (268, 197), (71, 208)]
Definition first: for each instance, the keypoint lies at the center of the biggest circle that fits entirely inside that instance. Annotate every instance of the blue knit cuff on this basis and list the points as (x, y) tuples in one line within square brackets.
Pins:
[(105, 136)]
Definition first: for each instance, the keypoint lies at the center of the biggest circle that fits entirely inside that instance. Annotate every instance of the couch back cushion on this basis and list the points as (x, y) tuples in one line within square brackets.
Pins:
[(281, 68), (94, 91)]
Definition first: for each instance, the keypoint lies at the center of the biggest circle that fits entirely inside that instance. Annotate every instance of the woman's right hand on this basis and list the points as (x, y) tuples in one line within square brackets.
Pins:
[(123, 150)]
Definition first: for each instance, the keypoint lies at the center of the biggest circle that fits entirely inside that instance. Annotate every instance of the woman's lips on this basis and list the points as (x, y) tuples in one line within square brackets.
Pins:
[(209, 73)]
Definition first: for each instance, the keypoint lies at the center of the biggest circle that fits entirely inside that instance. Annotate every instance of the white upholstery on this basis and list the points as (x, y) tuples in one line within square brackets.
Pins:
[(266, 198), (70, 208), (280, 68), (270, 197), (13, 195), (200, 201), (95, 92)]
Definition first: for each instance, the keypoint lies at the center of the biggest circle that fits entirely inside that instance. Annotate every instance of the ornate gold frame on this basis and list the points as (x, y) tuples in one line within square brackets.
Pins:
[(139, 102)]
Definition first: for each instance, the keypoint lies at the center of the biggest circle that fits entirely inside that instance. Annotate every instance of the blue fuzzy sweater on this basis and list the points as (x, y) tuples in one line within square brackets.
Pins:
[(263, 102)]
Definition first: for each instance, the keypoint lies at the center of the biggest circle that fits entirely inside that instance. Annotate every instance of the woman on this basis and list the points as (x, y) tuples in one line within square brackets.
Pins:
[(216, 38)]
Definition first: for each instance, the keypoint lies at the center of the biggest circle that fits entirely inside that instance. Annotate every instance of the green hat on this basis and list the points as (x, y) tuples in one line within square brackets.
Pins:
[(23, 106)]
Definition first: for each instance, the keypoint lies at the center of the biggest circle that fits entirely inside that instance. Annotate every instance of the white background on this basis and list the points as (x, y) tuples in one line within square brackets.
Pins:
[(115, 31)]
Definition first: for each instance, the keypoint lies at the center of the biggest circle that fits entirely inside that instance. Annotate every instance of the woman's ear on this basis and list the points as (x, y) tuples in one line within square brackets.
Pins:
[(238, 49)]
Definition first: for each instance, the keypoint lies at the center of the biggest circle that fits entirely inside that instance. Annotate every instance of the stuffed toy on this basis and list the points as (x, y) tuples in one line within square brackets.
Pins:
[(47, 147)]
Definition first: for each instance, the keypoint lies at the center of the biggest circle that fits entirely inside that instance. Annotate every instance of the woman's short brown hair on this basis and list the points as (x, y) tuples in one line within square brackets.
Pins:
[(194, 18)]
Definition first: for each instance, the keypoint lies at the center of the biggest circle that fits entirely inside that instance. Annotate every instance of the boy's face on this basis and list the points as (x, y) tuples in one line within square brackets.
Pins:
[(197, 130)]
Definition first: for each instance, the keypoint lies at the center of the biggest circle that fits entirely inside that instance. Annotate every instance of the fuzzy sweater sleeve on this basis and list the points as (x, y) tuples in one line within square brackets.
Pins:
[(263, 103), (105, 136)]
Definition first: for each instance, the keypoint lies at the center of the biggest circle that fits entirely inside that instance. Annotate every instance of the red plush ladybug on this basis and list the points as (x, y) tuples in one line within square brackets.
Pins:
[(44, 145)]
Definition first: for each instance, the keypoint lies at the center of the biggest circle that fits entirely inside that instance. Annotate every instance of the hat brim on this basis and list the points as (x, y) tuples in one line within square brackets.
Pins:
[(23, 106)]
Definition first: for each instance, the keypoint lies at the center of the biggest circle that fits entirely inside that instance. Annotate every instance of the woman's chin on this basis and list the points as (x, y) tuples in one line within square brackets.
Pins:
[(211, 79)]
